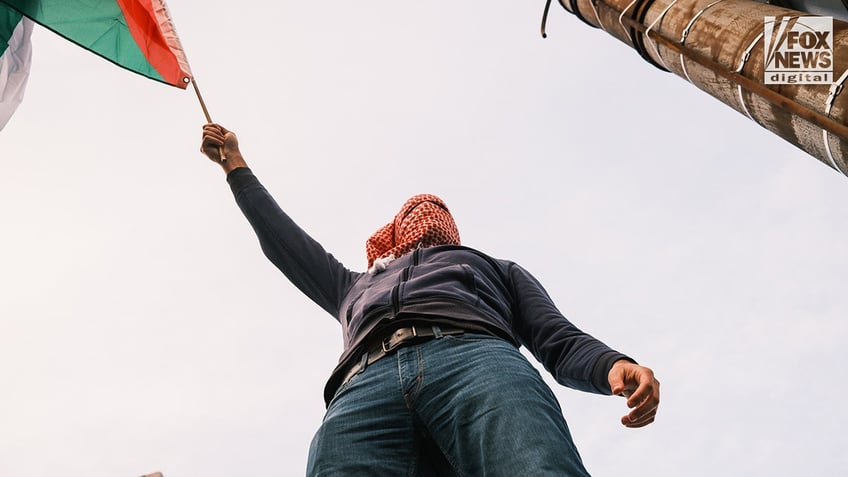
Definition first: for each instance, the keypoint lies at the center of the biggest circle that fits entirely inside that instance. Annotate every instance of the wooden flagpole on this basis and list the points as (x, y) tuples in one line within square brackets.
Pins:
[(205, 111)]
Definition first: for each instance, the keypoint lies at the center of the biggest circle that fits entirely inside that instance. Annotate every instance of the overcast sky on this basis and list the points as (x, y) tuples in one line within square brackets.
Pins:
[(142, 329)]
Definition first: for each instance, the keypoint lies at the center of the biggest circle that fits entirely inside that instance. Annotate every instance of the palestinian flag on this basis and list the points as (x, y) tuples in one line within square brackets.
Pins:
[(15, 55), (134, 34)]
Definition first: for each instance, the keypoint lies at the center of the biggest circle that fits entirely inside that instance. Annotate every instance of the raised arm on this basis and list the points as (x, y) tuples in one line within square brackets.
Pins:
[(294, 252)]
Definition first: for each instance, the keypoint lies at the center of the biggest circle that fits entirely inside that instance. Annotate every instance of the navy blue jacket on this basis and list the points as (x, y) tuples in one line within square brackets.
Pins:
[(449, 283)]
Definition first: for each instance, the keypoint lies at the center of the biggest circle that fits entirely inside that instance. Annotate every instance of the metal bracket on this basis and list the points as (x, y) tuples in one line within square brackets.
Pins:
[(621, 16), (745, 57), (686, 33), (648, 32), (834, 91)]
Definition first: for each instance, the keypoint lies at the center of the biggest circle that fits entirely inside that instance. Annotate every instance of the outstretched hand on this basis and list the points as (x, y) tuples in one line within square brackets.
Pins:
[(640, 387), (217, 140)]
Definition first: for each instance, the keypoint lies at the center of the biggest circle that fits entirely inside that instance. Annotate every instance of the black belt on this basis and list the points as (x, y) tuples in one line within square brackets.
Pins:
[(396, 339)]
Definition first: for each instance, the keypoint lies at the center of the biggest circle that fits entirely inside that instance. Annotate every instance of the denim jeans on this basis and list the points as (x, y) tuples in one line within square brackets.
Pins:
[(466, 405)]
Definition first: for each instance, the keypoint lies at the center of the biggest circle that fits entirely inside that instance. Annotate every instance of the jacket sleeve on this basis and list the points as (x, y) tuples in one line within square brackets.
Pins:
[(573, 357), (303, 260)]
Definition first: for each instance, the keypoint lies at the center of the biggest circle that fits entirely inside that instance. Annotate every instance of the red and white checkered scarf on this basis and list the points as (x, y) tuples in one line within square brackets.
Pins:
[(423, 221)]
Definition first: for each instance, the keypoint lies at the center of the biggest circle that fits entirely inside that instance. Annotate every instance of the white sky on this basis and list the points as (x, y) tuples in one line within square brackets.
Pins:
[(141, 328)]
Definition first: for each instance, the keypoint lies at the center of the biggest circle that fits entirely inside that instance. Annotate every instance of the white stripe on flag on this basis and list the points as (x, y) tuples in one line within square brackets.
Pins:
[(14, 70)]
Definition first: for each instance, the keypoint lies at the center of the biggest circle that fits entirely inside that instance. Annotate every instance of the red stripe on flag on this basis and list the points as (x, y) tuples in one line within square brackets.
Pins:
[(151, 27)]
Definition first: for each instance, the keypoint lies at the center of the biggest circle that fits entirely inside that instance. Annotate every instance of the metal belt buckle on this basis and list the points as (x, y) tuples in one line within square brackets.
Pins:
[(387, 344)]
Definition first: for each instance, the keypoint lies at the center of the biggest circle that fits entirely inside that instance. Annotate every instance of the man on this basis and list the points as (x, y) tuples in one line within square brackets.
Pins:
[(431, 380)]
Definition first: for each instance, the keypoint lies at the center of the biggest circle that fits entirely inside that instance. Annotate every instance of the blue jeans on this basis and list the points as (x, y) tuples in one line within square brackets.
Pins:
[(466, 405)]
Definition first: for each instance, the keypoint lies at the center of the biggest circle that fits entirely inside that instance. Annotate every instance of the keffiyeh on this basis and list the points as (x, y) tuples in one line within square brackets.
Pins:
[(423, 221)]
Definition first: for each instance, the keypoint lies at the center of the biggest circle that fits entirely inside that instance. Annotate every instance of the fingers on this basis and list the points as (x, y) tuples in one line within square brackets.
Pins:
[(644, 401), (213, 133), (213, 140), (221, 146), (214, 136), (617, 384), (644, 381), (635, 424), (643, 414), (620, 378), (640, 387)]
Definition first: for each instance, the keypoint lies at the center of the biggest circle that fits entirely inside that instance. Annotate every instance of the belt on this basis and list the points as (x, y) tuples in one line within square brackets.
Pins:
[(396, 339)]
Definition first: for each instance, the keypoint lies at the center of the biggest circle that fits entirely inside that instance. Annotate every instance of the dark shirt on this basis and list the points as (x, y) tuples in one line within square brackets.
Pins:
[(448, 283)]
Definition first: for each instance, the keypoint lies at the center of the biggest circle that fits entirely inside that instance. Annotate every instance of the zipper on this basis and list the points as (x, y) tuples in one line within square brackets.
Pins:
[(395, 301), (416, 258)]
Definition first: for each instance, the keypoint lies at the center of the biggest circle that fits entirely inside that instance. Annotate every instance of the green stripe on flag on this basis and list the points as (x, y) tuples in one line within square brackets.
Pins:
[(99, 27), (9, 19)]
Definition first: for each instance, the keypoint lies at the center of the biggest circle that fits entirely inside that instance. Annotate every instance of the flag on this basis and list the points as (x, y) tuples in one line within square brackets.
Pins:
[(134, 34), (15, 56)]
